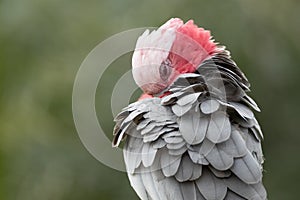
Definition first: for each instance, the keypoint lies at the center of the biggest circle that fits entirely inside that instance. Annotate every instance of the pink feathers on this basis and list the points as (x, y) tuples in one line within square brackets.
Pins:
[(190, 47), (172, 23), (174, 48), (200, 35), (185, 45)]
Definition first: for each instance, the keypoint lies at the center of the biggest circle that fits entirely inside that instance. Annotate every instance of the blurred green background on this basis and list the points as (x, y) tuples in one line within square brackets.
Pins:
[(42, 44)]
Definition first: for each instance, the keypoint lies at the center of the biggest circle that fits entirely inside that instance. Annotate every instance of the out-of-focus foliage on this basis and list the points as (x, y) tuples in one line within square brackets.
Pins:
[(42, 44)]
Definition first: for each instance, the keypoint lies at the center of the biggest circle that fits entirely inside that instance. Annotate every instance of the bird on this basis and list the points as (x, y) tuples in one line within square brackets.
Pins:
[(192, 134)]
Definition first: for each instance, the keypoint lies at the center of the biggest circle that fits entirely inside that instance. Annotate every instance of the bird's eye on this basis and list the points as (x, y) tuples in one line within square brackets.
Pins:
[(165, 70)]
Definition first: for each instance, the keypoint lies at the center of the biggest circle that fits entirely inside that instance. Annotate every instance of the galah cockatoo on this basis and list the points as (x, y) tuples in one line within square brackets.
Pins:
[(192, 134)]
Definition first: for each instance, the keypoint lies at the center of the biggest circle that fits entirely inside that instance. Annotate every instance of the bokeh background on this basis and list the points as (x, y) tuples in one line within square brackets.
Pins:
[(42, 44)]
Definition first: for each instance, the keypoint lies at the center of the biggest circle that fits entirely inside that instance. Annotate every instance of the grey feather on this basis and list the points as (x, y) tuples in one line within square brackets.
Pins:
[(198, 87), (119, 136), (254, 147), (209, 106), (197, 158), (158, 144), (143, 124), (256, 134), (232, 196), (193, 127), (175, 89), (132, 116), (247, 169), (173, 139), (159, 128), (148, 154), (243, 110), (210, 186), (169, 163), (188, 191), (173, 125), (188, 99), (197, 172), (257, 127), (133, 153), (150, 137), (197, 107), (218, 173), (148, 128), (219, 128), (165, 129), (186, 169), (187, 79), (170, 99), (125, 124), (121, 116), (171, 134), (235, 146), (178, 152), (159, 113), (150, 185), (206, 147), (175, 145), (261, 191), (247, 191), (247, 123), (181, 110), (156, 127), (219, 159), (137, 183), (168, 188), (199, 195), (248, 100)]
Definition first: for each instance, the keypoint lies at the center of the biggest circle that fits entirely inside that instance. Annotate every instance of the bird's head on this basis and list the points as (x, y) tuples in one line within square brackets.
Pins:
[(174, 48)]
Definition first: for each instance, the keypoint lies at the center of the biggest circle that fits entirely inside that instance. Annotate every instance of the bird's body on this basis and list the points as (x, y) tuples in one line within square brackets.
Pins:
[(194, 136)]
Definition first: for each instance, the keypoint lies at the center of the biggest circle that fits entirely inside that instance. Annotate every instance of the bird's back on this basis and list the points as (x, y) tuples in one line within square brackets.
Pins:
[(200, 141)]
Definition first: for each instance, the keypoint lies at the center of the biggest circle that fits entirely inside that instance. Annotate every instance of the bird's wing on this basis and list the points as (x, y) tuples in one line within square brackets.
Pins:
[(200, 142)]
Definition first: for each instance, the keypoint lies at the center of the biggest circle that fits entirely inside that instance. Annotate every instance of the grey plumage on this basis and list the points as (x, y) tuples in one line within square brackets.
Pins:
[(209, 106), (192, 127), (202, 141), (219, 127), (210, 186)]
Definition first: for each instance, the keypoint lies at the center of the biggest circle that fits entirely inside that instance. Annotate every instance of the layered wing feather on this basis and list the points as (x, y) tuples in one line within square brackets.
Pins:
[(200, 142)]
